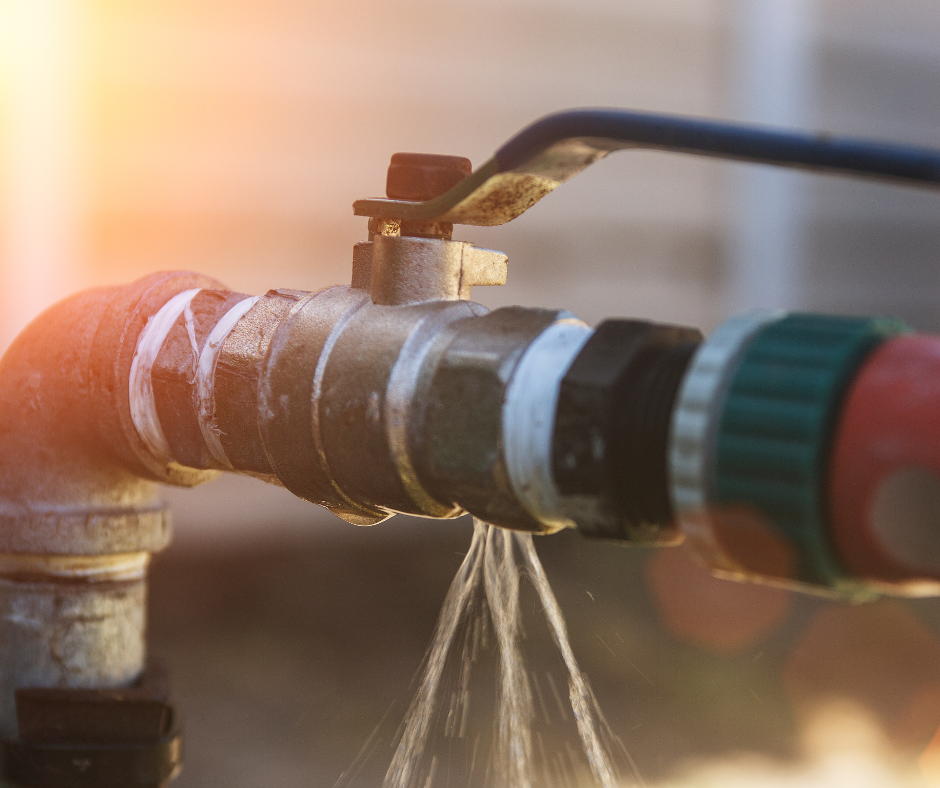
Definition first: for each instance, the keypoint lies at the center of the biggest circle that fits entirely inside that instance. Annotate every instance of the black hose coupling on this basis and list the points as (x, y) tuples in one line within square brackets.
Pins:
[(609, 453)]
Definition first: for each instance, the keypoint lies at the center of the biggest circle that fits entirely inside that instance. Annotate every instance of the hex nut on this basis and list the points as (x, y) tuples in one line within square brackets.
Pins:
[(424, 176)]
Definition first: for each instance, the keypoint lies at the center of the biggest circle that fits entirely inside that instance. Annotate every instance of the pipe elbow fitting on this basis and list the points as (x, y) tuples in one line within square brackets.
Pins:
[(72, 478)]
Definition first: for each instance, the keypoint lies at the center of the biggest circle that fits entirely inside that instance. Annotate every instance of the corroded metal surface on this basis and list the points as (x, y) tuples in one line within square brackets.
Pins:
[(290, 385), (78, 494), (174, 369), (366, 408), (408, 270), (353, 403), (459, 440), (68, 634), (112, 354), (238, 376), (84, 531)]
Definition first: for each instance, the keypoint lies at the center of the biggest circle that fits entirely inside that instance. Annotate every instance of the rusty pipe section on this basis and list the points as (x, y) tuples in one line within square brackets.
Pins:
[(429, 405), (366, 409), (79, 511)]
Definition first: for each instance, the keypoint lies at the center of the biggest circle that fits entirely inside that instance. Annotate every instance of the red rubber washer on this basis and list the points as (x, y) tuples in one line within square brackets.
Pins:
[(884, 468)]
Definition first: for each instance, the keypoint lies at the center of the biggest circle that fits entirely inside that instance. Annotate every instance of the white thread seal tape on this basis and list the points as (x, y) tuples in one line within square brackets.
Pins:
[(205, 378), (529, 418), (140, 385)]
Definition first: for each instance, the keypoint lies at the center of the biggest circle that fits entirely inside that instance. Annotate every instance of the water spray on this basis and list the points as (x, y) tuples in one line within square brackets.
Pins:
[(795, 449)]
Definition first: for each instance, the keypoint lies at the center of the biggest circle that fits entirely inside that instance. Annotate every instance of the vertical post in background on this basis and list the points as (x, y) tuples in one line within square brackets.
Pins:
[(41, 252), (771, 83)]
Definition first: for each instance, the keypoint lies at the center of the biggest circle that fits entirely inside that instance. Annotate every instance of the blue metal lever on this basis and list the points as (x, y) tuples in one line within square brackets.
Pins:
[(557, 147)]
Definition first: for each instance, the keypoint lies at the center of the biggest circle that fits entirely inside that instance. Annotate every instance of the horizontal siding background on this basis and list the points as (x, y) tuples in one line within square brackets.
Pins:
[(234, 140), (876, 248)]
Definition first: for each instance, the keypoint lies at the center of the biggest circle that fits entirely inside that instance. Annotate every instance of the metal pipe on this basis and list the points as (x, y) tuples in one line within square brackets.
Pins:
[(79, 512), (424, 404)]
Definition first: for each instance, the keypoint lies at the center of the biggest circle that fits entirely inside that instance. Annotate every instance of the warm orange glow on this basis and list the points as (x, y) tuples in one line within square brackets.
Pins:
[(930, 762), (231, 139), (717, 615), (842, 747), (38, 72), (881, 657)]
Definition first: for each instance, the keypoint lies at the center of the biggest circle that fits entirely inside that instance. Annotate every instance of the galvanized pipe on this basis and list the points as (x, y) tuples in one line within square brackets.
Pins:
[(171, 380), (347, 403), (69, 621), (79, 509)]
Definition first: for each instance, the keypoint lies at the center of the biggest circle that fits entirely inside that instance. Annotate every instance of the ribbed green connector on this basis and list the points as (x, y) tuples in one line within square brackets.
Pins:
[(776, 426)]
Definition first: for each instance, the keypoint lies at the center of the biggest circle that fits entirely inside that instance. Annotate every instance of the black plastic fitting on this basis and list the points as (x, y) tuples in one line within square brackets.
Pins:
[(612, 429), (74, 738)]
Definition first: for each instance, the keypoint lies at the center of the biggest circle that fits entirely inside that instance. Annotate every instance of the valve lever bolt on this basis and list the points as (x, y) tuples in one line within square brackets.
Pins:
[(424, 176)]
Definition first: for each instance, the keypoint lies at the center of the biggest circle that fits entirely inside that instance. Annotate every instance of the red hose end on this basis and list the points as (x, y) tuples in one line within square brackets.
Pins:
[(884, 468)]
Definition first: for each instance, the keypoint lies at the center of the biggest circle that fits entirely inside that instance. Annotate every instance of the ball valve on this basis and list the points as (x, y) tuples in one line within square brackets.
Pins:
[(787, 448)]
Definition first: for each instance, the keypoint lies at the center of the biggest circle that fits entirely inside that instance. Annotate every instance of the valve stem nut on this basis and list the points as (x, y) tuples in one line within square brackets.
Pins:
[(424, 176)]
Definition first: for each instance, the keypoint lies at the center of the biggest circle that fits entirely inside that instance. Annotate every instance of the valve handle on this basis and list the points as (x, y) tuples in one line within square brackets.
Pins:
[(559, 146)]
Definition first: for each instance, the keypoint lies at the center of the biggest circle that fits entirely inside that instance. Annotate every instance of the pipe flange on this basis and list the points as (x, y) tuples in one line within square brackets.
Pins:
[(81, 531)]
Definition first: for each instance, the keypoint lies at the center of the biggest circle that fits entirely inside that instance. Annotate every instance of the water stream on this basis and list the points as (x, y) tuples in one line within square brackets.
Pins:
[(486, 593)]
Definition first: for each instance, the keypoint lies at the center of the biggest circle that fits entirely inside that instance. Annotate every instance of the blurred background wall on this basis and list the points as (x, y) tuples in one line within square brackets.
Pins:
[(232, 137)]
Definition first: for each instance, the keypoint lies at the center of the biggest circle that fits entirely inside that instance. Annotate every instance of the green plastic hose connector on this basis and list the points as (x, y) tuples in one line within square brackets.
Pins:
[(775, 427)]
